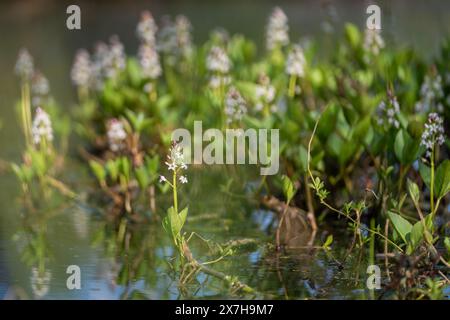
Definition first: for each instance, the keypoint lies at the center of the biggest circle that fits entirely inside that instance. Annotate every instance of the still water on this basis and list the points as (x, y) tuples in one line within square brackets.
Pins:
[(133, 260)]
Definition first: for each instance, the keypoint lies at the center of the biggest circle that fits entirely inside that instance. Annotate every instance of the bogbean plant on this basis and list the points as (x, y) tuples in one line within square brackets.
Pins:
[(41, 160), (361, 129), (380, 109)]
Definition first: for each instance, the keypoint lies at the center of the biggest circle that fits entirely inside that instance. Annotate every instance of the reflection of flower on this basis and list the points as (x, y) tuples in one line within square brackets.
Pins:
[(373, 42), (235, 105), (388, 112), (146, 29), (430, 94), (433, 133), (40, 282), (81, 72), (42, 127), (277, 29), (295, 64), (116, 135), (24, 65)]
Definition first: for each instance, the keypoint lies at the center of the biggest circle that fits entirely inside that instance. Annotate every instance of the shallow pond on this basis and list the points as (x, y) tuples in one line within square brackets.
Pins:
[(135, 263)]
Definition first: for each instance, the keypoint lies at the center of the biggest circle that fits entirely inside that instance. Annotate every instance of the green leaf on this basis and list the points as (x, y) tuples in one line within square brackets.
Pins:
[(416, 234), (288, 188), (328, 241), (401, 225), (142, 177), (406, 148), (98, 170), (442, 184), (425, 173), (413, 190)]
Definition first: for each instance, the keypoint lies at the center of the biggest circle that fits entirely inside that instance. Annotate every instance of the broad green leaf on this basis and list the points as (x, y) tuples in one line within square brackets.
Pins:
[(98, 170), (416, 234), (401, 225), (442, 184), (328, 241), (413, 190)]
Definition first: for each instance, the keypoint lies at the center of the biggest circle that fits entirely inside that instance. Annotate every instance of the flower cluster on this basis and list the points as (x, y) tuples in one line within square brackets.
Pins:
[(219, 65), (149, 62), (116, 135), (277, 29), (387, 112), (81, 73), (373, 42), (430, 94), (184, 39), (264, 94), (433, 133), (41, 129), (24, 65), (109, 61), (167, 39), (146, 29), (295, 64), (235, 105), (40, 88), (175, 162)]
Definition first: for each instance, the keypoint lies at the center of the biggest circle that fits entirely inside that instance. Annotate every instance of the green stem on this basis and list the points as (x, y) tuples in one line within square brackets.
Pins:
[(292, 86), (432, 181), (174, 188)]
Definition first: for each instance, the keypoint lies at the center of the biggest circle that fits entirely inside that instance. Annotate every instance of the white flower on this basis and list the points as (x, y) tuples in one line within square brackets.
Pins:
[(40, 88), (42, 127), (167, 37), (431, 93), (116, 135), (433, 133), (218, 61), (295, 64), (388, 112), (264, 93), (373, 42), (183, 179), (24, 65), (146, 29), (184, 40), (149, 62), (162, 179), (116, 58), (277, 33), (217, 81), (235, 105), (81, 72)]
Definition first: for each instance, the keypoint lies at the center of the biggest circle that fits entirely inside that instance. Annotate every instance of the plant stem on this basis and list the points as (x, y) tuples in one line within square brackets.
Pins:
[(432, 181), (292, 86), (174, 188)]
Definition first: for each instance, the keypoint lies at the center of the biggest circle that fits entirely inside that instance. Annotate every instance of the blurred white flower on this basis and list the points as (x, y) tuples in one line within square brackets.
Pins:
[(431, 93), (149, 62), (235, 105), (277, 33), (264, 94), (184, 39), (116, 135), (24, 65), (81, 73), (388, 112), (146, 29), (373, 42), (40, 88), (42, 127), (183, 179), (295, 64), (218, 61)]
